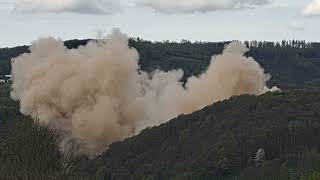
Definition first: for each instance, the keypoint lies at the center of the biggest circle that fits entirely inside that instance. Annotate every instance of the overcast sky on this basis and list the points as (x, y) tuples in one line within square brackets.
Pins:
[(208, 20)]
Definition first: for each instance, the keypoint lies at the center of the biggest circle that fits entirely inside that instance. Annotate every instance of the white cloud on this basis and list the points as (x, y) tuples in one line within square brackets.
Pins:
[(312, 9), (191, 6), (73, 6)]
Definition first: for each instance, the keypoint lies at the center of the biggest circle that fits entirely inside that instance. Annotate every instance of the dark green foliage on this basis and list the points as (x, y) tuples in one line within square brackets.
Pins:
[(293, 64), (75, 43), (217, 142), (221, 140), (6, 54), (193, 58), (9, 109), (29, 150)]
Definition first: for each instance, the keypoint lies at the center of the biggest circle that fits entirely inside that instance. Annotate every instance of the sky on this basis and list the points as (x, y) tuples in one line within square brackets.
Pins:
[(23, 21)]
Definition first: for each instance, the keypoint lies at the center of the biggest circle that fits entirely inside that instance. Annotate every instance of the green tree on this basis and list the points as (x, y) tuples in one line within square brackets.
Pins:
[(30, 151)]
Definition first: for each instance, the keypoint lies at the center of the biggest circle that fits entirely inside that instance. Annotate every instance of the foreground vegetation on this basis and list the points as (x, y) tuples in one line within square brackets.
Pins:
[(30, 151)]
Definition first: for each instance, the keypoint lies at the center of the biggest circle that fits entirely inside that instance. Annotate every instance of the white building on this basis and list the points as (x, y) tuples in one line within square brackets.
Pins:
[(8, 77)]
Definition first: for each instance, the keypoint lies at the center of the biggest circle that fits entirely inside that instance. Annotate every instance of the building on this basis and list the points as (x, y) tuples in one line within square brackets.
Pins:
[(5, 78), (8, 77)]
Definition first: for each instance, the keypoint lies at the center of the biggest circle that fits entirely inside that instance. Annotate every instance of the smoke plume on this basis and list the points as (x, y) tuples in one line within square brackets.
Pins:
[(96, 94)]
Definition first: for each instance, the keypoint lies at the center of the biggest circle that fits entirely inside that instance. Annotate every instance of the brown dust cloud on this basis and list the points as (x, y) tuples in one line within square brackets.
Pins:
[(97, 94)]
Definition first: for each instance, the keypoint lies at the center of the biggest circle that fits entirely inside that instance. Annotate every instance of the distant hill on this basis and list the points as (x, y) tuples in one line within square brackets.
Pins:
[(6, 54), (221, 140), (293, 64)]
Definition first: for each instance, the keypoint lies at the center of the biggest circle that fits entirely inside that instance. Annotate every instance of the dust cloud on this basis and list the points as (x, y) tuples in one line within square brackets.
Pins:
[(97, 94)]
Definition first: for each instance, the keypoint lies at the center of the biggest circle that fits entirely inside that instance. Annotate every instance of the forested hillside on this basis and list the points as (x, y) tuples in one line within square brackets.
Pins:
[(270, 137), (222, 141), (293, 64)]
